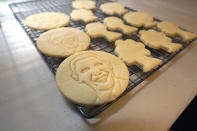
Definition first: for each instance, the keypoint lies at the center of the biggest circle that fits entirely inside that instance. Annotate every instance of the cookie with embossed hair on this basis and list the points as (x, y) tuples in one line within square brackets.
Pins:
[(92, 77)]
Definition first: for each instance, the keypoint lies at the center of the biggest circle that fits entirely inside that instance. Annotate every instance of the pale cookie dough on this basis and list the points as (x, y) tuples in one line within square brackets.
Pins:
[(84, 4), (92, 77), (112, 8), (97, 29), (83, 15), (63, 42), (132, 53), (139, 19), (157, 40), (47, 20), (115, 23), (173, 30)]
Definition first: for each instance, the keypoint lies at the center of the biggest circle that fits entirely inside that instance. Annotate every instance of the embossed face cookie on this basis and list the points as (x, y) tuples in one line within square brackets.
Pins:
[(92, 77), (139, 19), (47, 20), (173, 30), (115, 23), (63, 42), (97, 29), (157, 40), (132, 53), (112, 8), (83, 15), (84, 4)]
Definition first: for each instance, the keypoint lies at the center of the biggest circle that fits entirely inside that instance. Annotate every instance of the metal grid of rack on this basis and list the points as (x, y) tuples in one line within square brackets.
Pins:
[(22, 10)]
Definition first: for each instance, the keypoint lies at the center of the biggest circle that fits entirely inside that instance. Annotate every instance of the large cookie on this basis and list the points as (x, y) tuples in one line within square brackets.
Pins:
[(132, 53), (173, 30), (115, 23), (157, 40), (139, 19), (92, 77), (97, 29), (83, 15), (112, 8), (84, 4), (63, 42), (47, 20)]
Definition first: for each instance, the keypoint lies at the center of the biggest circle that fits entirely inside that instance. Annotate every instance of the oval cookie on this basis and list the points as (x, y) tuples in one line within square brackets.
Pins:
[(92, 77), (112, 8), (63, 42), (139, 19), (85, 4), (47, 20)]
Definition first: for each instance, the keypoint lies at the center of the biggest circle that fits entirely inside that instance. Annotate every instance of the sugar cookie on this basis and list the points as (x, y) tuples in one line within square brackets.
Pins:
[(97, 29), (92, 77), (112, 8), (132, 52), (83, 15), (139, 19), (84, 4), (47, 20), (63, 42), (157, 40), (115, 23), (173, 30)]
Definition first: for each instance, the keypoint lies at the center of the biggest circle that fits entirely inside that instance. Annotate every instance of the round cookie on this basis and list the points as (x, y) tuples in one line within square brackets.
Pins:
[(47, 20), (84, 4), (112, 8), (92, 77), (139, 19), (63, 42)]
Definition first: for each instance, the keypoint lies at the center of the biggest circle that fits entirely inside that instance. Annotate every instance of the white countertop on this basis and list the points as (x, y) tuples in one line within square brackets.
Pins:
[(30, 100)]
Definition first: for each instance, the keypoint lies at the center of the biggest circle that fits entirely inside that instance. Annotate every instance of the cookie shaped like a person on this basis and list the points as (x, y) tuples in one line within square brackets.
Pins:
[(83, 15), (171, 29), (84, 4), (115, 23), (158, 40), (92, 77), (139, 19), (96, 30), (132, 53), (113, 8)]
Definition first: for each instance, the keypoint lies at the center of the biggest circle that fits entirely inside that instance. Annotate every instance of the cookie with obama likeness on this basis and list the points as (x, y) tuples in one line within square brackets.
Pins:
[(92, 77), (62, 42)]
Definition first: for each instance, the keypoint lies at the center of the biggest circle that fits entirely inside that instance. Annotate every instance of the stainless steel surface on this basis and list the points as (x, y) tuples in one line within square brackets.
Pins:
[(30, 100)]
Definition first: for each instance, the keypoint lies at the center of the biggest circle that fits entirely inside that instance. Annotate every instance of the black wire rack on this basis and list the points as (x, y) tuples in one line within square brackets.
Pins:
[(22, 10)]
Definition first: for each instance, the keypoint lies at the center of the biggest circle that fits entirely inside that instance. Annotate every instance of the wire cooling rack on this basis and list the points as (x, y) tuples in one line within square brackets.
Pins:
[(22, 10)]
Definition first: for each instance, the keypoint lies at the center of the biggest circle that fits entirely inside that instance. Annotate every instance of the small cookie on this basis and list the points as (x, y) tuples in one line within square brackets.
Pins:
[(132, 52), (97, 29), (47, 20), (115, 23), (92, 77), (112, 8), (83, 15), (85, 4), (157, 40), (63, 42), (139, 19), (173, 30)]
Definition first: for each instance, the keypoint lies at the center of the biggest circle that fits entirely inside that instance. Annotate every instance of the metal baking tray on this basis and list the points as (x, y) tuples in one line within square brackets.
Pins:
[(21, 10)]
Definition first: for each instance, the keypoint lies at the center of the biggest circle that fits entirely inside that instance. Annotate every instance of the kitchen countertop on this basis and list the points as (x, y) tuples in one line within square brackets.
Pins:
[(31, 101)]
